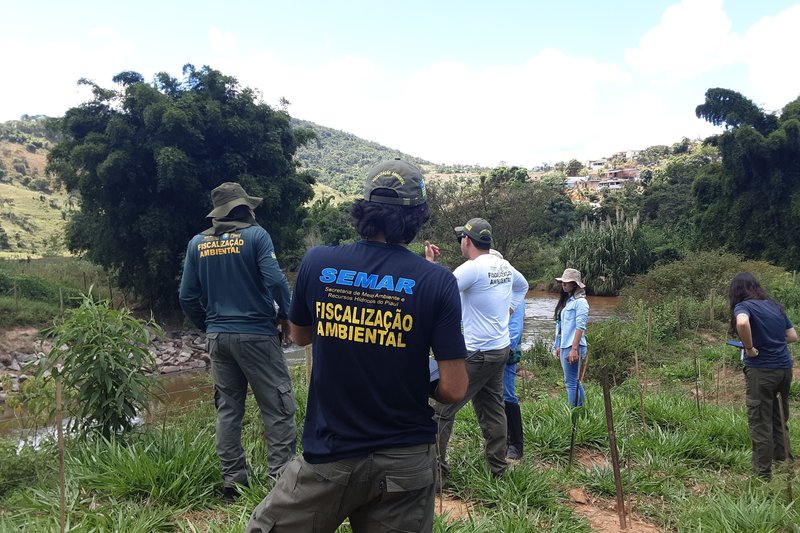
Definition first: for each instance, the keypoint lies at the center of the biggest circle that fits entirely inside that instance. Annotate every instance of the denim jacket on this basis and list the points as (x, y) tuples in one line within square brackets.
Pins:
[(573, 317)]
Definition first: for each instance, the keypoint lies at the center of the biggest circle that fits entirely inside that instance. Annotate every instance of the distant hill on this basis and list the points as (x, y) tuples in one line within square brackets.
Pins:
[(341, 160), (33, 211)]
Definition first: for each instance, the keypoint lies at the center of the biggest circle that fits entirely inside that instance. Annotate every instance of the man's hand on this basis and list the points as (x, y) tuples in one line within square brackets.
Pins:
[(557, 353), (283, 326), (431, 252), (751, 352)]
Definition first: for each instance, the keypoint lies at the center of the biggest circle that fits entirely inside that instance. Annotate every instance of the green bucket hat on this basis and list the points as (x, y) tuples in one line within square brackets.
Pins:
[(401, 179), (478, 229), (230, 195)]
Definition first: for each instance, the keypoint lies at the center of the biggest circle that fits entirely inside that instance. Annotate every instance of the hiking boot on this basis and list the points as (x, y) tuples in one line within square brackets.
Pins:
[(231, 494), (513, 454)]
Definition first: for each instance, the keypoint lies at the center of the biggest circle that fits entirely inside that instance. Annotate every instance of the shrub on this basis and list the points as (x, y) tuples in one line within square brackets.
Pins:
[(612, 343), (104, 355), (606, 254)]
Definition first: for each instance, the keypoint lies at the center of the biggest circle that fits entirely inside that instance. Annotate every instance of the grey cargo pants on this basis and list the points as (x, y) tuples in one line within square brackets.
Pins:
[(236, 360)]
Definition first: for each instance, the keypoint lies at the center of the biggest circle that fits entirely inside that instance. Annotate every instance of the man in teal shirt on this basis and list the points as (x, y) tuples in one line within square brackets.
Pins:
[(230, 289)]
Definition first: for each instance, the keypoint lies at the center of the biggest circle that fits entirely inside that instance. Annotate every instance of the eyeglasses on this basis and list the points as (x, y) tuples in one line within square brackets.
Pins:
[(459, 237)]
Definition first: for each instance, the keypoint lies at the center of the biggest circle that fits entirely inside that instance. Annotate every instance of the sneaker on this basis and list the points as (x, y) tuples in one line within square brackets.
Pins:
[(513, 454)]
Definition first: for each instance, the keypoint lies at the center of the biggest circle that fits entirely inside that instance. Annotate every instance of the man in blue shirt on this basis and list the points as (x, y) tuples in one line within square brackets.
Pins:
[(374, 311), (230, 288)]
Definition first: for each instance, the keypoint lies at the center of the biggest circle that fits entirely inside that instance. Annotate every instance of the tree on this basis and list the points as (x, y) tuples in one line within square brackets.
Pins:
[(524, 216), (731, 109), (750, 203), (143, 158), (573, 167)]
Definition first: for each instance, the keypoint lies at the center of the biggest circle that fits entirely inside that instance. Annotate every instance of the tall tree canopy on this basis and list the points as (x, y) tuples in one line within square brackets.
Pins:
[(144, 156), (525, 216), (731, 109), (751, 201)]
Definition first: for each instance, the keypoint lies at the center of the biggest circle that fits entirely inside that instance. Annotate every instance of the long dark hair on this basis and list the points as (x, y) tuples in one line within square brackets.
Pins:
[(745, 286), (399, 224), (562, 301)]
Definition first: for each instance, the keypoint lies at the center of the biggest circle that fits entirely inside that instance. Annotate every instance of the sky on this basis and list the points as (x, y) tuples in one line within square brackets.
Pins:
[(454, 82)]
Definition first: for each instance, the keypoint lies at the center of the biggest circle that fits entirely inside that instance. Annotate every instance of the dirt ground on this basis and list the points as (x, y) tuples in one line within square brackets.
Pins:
[(21, 340)]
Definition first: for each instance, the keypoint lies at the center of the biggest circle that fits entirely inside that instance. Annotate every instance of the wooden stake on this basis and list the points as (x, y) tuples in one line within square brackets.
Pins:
[(612, 444), (61, 477), (641, 386), (724, 374), (678, 313), (649, 330), (697, 384), (711, 305), (789, 458)]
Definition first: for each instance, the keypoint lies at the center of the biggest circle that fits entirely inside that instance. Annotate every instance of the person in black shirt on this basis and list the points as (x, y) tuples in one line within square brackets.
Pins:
[(373, 312)]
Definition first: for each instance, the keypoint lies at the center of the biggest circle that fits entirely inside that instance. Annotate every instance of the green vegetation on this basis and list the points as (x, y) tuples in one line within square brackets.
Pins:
[(341, 160), (748, 203), (101, 355), (34, 292), (145, 156)]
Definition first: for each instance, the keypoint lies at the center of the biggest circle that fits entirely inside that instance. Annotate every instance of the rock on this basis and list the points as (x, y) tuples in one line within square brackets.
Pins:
[(6, 359), (22, 378), (14, 366), (169, 369), (2, 398), (26, 357)]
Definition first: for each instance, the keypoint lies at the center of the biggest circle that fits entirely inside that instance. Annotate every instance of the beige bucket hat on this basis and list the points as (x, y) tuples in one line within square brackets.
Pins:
[(570, 274)]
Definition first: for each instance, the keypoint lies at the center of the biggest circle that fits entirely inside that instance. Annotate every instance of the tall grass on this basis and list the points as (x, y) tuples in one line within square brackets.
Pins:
[(171, 466)]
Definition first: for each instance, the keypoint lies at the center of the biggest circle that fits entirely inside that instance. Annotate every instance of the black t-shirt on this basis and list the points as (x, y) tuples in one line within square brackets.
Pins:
[(376, 311)]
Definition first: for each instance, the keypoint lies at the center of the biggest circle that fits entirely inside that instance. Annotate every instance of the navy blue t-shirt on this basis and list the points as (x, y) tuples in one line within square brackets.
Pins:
[(768, 324), (376, 311)]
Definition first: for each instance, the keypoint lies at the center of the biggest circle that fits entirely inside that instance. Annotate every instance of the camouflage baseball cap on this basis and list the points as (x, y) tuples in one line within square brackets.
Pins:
[(478, 229), (400, 179), (230, 195)]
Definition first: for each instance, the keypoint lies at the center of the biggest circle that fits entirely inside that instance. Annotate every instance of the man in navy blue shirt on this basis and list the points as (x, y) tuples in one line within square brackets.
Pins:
[(230, 287), (373, 311)]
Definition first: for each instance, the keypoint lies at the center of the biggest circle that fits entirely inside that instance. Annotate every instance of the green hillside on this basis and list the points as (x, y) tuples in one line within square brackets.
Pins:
[(33, 210), (341, 160)]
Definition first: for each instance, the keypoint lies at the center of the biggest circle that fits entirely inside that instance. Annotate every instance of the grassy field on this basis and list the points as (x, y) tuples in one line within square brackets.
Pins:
[(33, 219), (681, 470)]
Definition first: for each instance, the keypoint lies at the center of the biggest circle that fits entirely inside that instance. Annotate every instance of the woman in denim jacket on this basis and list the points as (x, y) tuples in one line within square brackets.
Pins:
[(571, 315)]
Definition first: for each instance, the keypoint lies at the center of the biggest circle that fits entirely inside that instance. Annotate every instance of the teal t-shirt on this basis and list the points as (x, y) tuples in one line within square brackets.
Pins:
[(232, 283)]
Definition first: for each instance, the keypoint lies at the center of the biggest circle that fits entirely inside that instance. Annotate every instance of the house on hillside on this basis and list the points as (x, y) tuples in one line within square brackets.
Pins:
[(612, 184), (622, 173)]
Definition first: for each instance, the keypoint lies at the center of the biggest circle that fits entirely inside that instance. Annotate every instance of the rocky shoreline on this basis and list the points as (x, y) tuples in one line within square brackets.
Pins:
[(20, 356)]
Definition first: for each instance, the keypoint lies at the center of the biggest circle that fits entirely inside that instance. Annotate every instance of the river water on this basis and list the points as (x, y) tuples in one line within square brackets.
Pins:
[(190, 387)]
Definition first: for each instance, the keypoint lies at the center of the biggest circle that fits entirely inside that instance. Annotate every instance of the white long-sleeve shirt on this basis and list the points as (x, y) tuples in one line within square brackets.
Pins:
[(489, 287)]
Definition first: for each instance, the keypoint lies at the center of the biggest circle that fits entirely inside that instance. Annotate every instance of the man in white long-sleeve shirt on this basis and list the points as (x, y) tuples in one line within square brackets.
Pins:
[(490, 290)]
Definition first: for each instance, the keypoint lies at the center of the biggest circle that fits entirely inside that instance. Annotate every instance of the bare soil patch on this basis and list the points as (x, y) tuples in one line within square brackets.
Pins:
[(453, 508), (588, 458), (602, 515)]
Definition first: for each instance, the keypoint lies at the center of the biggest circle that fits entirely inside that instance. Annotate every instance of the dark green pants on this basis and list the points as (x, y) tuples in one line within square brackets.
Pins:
[(388, 490), (763, 415)]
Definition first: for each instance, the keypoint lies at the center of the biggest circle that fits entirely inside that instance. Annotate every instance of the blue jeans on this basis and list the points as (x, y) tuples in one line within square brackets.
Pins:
[(571, 376), (509, 386)]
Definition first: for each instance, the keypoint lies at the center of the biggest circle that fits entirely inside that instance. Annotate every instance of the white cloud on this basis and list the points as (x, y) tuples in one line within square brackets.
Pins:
[(771, 53), (221, 41), (51, 87), (693, 37)]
